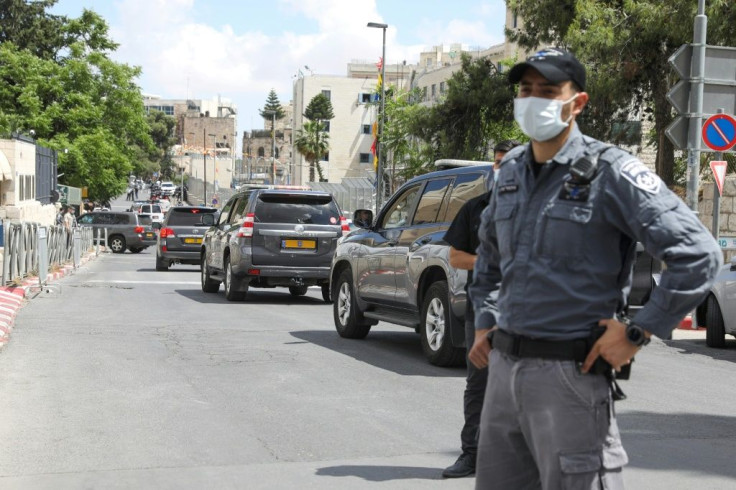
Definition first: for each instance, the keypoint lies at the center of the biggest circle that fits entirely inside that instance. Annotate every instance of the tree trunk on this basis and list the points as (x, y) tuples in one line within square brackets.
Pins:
[(665, 163), (312, 164)]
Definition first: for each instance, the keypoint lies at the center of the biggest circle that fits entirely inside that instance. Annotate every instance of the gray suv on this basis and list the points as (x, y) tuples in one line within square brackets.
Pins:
[(397, 269), (272, 238), (125, 230), (180, 236)]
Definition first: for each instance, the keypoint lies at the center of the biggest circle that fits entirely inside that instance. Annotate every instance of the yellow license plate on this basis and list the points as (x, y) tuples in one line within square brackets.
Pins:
[(192, 240), (150, 235), (298, 244)]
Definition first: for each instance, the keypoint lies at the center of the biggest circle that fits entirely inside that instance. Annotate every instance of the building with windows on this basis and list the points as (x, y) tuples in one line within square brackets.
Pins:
[(266, 153)]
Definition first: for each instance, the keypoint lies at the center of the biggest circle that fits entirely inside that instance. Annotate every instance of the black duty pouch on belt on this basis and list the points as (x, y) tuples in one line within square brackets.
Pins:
[(601, 366)]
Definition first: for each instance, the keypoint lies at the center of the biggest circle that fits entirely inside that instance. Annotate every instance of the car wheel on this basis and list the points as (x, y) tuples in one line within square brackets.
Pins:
[(117, 244), (349, 321), (326, 293), (715, 331), (135, 250), (298, 290), (209, 285), (161, 264), (435, 328), (231, 292)]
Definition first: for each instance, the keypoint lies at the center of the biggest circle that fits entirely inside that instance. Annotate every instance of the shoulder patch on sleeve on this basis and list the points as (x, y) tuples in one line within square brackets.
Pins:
[(638, 174)]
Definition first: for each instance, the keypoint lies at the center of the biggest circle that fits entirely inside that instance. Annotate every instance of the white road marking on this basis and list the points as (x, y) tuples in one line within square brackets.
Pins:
[(144, 282)]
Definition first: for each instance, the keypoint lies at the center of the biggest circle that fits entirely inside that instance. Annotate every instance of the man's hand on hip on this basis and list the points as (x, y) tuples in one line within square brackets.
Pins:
[(611, 346), (478, 354)]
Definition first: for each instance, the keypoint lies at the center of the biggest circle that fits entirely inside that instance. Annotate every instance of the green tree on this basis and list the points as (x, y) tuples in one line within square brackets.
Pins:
[(272, 105), (313, 143), (625, 46), (319, 109), (162, 134), (477, 110), (29, 26)]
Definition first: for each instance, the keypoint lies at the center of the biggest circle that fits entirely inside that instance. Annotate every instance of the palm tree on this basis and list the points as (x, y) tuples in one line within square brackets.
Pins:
[(313, 143)]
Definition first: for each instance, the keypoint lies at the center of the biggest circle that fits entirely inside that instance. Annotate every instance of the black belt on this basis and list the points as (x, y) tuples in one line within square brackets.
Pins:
[(520, 346)]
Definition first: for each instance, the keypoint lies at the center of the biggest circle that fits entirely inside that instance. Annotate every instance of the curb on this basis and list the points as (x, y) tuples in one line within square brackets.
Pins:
[(12, 298)]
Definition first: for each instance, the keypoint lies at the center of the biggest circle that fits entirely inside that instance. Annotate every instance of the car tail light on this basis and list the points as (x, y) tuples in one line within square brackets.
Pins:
[(344, 225), (166, 232), (246, 230), (138, 229), (254, 272)]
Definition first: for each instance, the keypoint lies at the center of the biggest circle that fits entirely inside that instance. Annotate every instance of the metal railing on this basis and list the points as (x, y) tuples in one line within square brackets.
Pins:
[(26, 244)]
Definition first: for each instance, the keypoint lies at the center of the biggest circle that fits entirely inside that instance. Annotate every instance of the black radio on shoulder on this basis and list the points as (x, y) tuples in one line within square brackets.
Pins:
[(577, 185)]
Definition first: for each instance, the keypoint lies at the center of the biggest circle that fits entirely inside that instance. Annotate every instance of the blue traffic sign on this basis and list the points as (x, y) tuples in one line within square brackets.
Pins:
[(719, 132)]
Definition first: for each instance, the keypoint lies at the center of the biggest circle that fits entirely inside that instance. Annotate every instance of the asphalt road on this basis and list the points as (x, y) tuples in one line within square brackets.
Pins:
[(124, 377)]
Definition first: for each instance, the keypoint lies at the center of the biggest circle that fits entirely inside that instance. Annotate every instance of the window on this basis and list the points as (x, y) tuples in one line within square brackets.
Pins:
[(431, 201), (122, 219), (424, 94), (26, 187), (429, 62), (365, 158), (515, 21), (398, 214), (364, 98), (239, 210), (442, 87), (295, 209), (434, 90), (85, 219), (225, 214), (366, 129), (261, 152), (187, 216), (327, 93), (326, 126), (326, 157), (467, 186)]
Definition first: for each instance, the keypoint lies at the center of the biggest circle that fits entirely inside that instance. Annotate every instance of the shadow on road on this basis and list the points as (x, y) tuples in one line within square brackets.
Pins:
[(399, 352), (253, 297), (697, 346), (698, 443), (382, 473), (171, 269)]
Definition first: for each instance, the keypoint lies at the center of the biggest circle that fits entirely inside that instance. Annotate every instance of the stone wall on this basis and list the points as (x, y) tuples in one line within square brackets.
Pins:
[(727, 215)]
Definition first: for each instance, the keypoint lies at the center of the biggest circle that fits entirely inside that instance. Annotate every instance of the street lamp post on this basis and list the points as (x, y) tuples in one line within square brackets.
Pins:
[(214, 159), (381, 121), (273, 144)]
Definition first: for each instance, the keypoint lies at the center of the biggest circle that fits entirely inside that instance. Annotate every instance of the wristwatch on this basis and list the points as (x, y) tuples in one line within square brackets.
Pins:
[(635, 335)]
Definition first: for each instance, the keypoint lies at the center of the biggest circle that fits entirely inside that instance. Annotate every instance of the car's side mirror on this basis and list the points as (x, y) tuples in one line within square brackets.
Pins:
[(363, 218), (156, 225), (208, 219)]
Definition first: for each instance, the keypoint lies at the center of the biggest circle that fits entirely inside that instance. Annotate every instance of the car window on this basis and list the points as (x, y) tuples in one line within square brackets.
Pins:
[(103, 219), (155, 208), (467, 186), (296, 208), (85, 219), (431, 201), (187, 216), (239, 210), (145, 219), (121, 219), (225, 213), (398, 214)]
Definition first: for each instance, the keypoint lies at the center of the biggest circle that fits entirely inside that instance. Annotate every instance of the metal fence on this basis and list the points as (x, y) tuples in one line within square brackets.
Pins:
[(30, 248), (351, 194)]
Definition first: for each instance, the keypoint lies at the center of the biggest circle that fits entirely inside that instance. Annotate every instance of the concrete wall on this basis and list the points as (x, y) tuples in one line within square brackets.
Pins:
[(727, 215), (22, 159)]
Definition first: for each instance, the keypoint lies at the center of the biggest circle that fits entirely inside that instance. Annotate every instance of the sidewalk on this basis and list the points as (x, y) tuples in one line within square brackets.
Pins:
[(12, 298)]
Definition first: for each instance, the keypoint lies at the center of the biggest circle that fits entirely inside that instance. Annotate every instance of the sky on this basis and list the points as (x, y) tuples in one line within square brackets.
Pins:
[(240, 50)]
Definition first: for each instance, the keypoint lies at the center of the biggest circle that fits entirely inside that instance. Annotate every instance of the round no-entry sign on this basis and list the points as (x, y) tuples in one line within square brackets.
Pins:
[(719, 132)]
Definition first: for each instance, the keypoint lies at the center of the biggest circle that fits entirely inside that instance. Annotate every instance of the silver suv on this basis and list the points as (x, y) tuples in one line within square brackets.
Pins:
[(125, 230), (272, 238), (397, 269)]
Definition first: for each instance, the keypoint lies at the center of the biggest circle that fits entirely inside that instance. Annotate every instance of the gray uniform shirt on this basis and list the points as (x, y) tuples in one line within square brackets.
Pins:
[(551, 268)]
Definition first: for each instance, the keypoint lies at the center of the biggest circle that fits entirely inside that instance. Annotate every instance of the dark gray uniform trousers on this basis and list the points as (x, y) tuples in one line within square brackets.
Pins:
[(546, 425), (475, 390)]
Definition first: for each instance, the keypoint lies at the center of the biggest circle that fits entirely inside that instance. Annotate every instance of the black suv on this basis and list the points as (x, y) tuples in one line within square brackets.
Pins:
[(397, 269), (272, 238)]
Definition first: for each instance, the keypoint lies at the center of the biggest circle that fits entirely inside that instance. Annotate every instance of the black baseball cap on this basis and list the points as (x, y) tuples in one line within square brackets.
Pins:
[(555, 64)]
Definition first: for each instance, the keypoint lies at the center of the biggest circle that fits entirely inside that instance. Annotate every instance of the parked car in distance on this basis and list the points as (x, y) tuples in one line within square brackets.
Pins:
[(125, 230), (718, 312), (153, 210), (269, 238), (167, 188), (396, 268), (180, 236)]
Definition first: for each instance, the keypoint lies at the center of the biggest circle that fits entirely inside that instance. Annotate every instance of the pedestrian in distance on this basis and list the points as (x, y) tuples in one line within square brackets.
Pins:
[(462, 235), (557, 245)]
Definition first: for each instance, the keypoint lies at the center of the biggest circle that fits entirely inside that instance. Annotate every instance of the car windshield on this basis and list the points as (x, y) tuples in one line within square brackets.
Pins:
[(187, 217), (144, 219), (291, 208)]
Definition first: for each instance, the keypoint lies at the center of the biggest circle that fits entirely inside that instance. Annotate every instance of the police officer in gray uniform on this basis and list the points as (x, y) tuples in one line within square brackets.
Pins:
[(554, 266)]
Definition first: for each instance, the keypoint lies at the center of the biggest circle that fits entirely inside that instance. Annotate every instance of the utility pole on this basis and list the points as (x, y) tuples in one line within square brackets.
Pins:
[(204, 154)]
